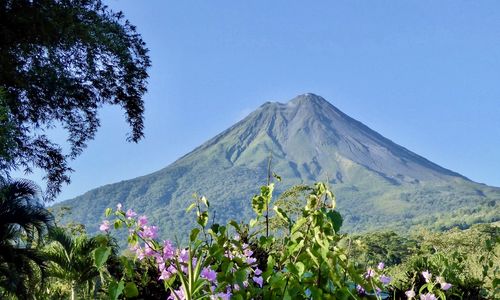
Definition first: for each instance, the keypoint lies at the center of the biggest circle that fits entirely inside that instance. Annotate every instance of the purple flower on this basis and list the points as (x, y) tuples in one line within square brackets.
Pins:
[(259, 280), (380, 266), (360, 290), (428, 296), (168, 250), (369, 273), (143, 220), (130, 214), (184, 256), (427, 275), (140, 254), (410, 294), (445, 286), (224, 296), (179, 294), (148, 251), (385, 279), (251, 260), (248, 252), (119, 207), (257, 271), (149, 232), (104, 226), (208, 274), (166, 273)]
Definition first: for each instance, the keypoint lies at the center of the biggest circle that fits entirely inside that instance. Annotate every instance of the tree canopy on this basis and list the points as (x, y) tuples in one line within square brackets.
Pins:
[(60, 61)]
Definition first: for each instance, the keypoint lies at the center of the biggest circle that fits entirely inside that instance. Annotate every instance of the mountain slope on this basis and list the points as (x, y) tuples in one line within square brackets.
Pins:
[(378, 183)]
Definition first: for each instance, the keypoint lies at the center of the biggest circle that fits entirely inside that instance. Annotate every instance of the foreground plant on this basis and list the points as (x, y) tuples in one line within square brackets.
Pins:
[(304, 257)]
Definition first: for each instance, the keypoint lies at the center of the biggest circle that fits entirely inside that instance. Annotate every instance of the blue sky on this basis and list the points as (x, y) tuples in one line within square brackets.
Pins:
[(425, 74)]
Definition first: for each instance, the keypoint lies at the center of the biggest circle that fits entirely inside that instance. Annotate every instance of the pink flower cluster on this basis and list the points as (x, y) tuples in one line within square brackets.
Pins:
[(170, 259), (410, 294)]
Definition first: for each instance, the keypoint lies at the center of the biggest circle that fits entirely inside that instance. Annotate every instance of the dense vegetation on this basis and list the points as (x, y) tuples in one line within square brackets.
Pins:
[(291, 249)]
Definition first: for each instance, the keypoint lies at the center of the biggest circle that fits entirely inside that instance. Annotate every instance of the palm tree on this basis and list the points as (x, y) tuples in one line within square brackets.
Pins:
[(23, 222), (71, 259)]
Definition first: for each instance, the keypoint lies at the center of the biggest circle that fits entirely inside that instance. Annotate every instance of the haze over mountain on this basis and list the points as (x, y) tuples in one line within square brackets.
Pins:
[(378, 183)]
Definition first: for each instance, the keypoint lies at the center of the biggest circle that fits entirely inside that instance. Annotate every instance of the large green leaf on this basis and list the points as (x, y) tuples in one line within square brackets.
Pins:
[(101, 255)]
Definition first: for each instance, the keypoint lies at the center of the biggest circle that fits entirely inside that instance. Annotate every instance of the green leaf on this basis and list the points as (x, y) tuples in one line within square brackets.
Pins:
[(336, 219), (253, 222), (312, 202), (108, 212), (115, 289), (190, 207), (101, 255), (130, 290), (298, 224), (282, 214), (258, 204), (203, 219), (300, 268), (194, 234), (235, 225), (118, 224)]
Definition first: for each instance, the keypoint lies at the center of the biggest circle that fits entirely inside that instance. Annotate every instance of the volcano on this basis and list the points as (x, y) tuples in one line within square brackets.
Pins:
[(378, 183)]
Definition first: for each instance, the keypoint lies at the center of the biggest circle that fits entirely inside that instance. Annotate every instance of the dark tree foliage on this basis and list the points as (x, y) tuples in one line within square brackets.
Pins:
[(60, 61), (23, 223)]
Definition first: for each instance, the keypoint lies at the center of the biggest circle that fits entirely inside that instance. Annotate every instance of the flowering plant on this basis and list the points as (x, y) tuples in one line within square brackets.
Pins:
[(239, 261)]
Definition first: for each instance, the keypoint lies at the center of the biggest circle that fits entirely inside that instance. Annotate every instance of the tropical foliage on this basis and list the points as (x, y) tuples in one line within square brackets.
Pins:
[(23, 223), (289, 250)]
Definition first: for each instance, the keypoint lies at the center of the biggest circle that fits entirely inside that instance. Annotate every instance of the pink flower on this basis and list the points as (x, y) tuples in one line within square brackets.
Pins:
[(143, 220), (369, 273), (410, 294), (427, 275), (208, 274), (428, 296), (104, 226), (385, 279), (130, 214), (259, 280), (445, 286), (380, 266)]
